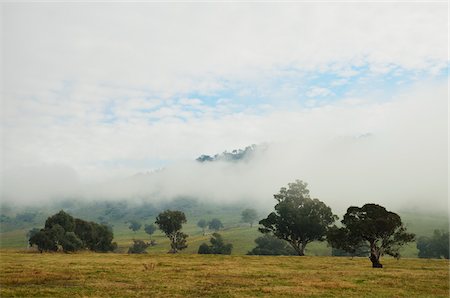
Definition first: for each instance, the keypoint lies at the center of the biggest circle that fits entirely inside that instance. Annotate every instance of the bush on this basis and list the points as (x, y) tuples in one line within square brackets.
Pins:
[(269, 245), (217, 246), (139, 247)]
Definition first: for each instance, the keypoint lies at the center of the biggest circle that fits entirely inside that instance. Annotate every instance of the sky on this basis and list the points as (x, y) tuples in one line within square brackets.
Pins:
[(351, 97)]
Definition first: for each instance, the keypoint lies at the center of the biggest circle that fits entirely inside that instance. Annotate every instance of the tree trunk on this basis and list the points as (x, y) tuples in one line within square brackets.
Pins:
[(299, 248), (375, 257)]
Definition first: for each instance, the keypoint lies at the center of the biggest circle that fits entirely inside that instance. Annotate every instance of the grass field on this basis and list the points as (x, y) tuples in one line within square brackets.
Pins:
[(240, 235), (26, 274)]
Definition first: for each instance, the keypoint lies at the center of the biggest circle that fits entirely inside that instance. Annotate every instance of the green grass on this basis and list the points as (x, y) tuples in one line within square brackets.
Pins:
[(26, 274), (240, 235)]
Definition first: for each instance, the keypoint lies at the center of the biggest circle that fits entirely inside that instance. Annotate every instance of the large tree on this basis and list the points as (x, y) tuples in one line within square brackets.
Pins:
[(298, 219), (72, 234), (171, 222), (372, 225)]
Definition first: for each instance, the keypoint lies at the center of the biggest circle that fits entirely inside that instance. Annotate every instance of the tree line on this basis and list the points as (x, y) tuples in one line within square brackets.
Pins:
[(296, 221)]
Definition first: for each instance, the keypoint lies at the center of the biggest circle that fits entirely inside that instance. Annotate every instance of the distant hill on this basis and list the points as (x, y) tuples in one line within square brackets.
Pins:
[(233, 156)]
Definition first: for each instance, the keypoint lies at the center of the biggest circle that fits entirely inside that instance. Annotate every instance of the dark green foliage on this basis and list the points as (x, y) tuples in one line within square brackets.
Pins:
[(372, 225), (171, 222), (249, 216), (217, 246), (103, 236), (233, 156), (32, 232), (80, 234), (202, 224), (269, 245), (70, 242), (66, 221), (436, 246), (44, 240), (150, 229), (138, 247), (352, 246), (298, 219), (215, 224), (204, 249), (134, 225)]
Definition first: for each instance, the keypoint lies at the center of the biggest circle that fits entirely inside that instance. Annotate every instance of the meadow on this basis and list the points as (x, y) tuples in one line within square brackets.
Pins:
[(26, 274)]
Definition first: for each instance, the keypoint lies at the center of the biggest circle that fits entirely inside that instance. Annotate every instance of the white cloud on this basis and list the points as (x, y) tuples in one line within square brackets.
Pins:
[(400, 160), (173, 47), (89, 84), (316, 91)]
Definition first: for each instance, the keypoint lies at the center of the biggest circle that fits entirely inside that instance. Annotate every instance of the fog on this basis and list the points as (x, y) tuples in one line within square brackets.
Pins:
[(391, 152)]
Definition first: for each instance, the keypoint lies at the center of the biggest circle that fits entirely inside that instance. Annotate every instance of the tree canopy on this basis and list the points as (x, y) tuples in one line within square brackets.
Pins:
[(249, 216), (269, 245), (298, 219), (215, 224), (134, 225), (72, 234), (171, 222), (372, 225), (150, 229)]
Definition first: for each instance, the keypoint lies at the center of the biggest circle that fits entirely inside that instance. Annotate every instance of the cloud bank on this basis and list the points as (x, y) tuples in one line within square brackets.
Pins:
[(350, 97), (393, 153)]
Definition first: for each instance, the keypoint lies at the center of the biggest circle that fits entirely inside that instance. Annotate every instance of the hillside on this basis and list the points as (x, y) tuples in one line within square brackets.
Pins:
[(239, 234)]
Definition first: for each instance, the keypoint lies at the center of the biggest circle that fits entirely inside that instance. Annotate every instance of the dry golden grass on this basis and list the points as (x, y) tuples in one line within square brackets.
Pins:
[(26, 274)]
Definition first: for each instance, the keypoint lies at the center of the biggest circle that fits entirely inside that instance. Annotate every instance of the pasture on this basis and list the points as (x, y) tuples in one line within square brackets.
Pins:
[(26, 274)]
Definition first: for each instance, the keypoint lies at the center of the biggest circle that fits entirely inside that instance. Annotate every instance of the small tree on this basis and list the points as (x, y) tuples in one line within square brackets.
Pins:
[(150, 229), (203, 224), (134, 225), (217, 246), (249, 216), (436, 246), (215, 224), (138, 247), (171, 222), (372, 224), (298, 219)]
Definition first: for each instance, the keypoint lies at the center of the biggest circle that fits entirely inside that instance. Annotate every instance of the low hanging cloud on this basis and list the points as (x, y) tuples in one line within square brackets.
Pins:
[(390, 152)]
